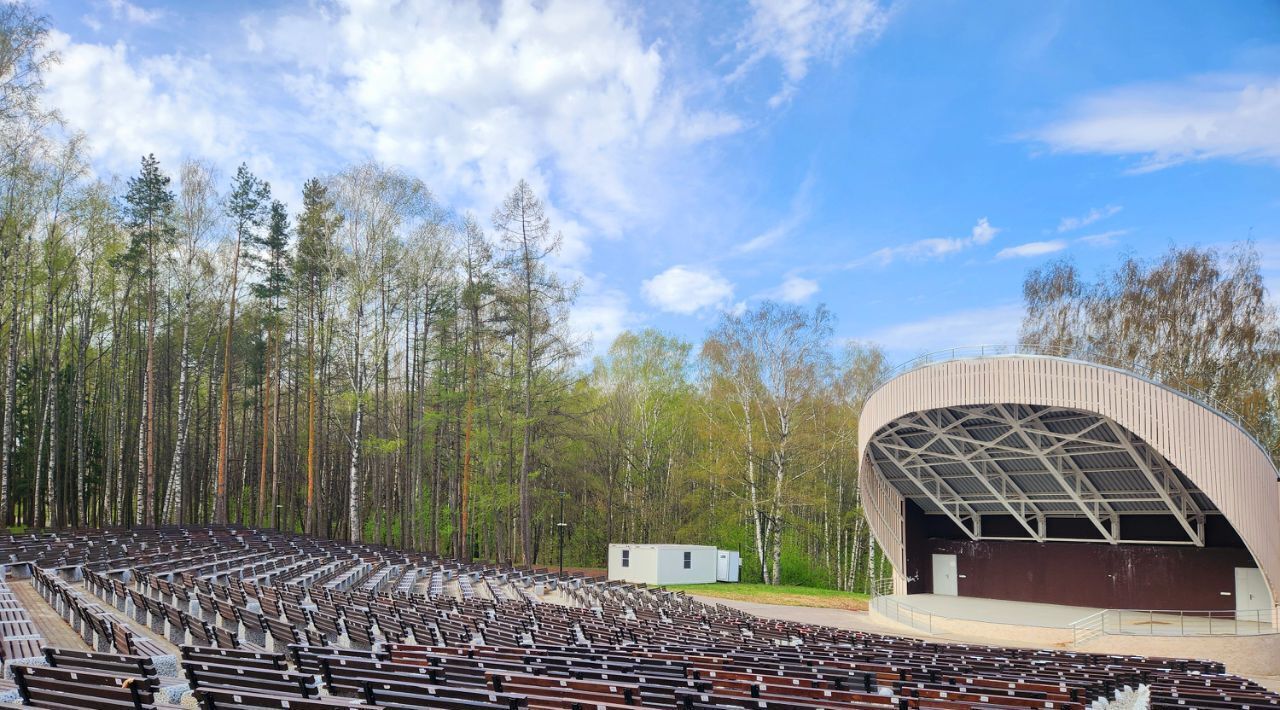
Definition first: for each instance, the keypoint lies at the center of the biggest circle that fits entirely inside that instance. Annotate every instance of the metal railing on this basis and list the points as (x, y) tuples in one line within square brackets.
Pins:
[(882, 586), (1086, 356), (905, 614), (1173, 622), (1088, 628)]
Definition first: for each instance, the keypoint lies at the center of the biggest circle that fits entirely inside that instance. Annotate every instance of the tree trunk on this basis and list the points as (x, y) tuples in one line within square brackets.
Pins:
[(310, 526), (147, 481), (10, 402), (224, 412), (353, 501), (266, 439), (173, 498)]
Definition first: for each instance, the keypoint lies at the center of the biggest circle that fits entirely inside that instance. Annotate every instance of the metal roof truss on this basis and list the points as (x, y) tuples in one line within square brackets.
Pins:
[(1025, 462)]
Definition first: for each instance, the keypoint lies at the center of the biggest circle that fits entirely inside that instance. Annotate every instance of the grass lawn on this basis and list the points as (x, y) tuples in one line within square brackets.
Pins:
[(770, 594)]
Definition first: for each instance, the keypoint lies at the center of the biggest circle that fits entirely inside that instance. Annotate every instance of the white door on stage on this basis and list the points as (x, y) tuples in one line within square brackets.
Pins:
[(944, 575), (1251, 590)]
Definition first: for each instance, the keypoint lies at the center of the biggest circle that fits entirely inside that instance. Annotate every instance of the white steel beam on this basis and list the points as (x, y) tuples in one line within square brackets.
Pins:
[(940, 493), (1167, 486), (995, 480), (1073, 482), (1015, 436)]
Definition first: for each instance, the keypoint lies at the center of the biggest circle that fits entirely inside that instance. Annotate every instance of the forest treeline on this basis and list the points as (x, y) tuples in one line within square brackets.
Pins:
[(180, 346), (1198, 319)]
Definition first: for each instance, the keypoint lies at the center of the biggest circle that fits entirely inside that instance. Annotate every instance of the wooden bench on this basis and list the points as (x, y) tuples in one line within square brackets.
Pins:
[(236, 657), (129, 643), (110, 663), (250, 678), (62, 688), (568, 689), (235, 699)]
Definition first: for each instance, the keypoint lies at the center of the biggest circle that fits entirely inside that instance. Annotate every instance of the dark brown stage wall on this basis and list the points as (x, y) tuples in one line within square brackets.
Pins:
[(1090, 574)]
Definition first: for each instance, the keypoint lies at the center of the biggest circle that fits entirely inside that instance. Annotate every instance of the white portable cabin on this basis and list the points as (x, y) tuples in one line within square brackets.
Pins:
[(662, 564)]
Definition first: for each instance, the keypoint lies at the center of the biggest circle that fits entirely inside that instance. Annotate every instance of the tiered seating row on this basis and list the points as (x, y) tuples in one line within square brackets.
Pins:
[(272, 621)]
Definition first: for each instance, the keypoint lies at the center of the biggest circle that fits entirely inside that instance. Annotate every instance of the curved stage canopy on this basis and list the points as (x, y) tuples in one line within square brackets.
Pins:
[(1047, 479)]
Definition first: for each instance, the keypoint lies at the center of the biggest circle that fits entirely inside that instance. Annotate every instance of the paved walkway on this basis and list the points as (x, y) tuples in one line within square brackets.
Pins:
[(56, 632), (59, 633)]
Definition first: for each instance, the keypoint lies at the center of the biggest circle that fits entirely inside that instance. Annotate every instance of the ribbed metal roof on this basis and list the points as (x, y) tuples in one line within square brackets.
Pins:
[(1027, 448)]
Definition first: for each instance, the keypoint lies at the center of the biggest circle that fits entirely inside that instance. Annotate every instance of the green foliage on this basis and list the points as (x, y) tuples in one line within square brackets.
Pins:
[(148, 215), (247, 205), (800, 570), (379, 446), (271, 258)]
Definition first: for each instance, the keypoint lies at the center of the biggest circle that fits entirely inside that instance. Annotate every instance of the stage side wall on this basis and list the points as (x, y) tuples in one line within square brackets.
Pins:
[(1093, 575)]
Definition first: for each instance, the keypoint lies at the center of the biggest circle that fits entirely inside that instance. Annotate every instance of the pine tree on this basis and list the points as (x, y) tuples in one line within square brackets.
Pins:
[(316, 226), (246, 206), (149, 217), (271, 259)]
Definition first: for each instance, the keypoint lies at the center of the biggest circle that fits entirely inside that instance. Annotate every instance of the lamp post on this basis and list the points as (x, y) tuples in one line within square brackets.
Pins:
[(561, 526), (278, 507)]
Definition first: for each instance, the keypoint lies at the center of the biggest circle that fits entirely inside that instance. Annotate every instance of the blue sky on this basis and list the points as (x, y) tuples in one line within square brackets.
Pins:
[(904, 163)]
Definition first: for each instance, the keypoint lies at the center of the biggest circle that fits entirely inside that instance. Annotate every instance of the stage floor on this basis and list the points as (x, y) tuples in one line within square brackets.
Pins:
[(1056, 616), (997, 611)]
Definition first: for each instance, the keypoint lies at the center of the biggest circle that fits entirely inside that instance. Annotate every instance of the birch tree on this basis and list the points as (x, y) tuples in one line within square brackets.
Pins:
[(772, 363), (198, 216)]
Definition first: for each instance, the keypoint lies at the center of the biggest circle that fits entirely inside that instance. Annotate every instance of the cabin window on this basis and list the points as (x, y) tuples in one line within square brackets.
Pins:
[(626, 558), (688, 560)]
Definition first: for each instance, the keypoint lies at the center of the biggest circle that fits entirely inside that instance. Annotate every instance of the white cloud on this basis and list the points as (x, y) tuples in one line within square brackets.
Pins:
[(797, 33), (1032, 249), (685, 290), (794, 289), (1072, 223), (566, 94), (127, 11), (982, 232), (935, 248), (471, 97), (982, 326), (1201, 118), (168, 104), (1103, 239)]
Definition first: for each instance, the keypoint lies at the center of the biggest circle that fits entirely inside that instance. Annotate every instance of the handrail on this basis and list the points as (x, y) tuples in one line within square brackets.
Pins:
[(881, 586), (1088, 627), (973, 352), (1174, 622), (893, 609)]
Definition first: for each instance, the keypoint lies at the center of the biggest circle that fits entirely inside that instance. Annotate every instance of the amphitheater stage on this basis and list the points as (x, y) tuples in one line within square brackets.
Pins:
[(1060, 622), (995, 611)]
